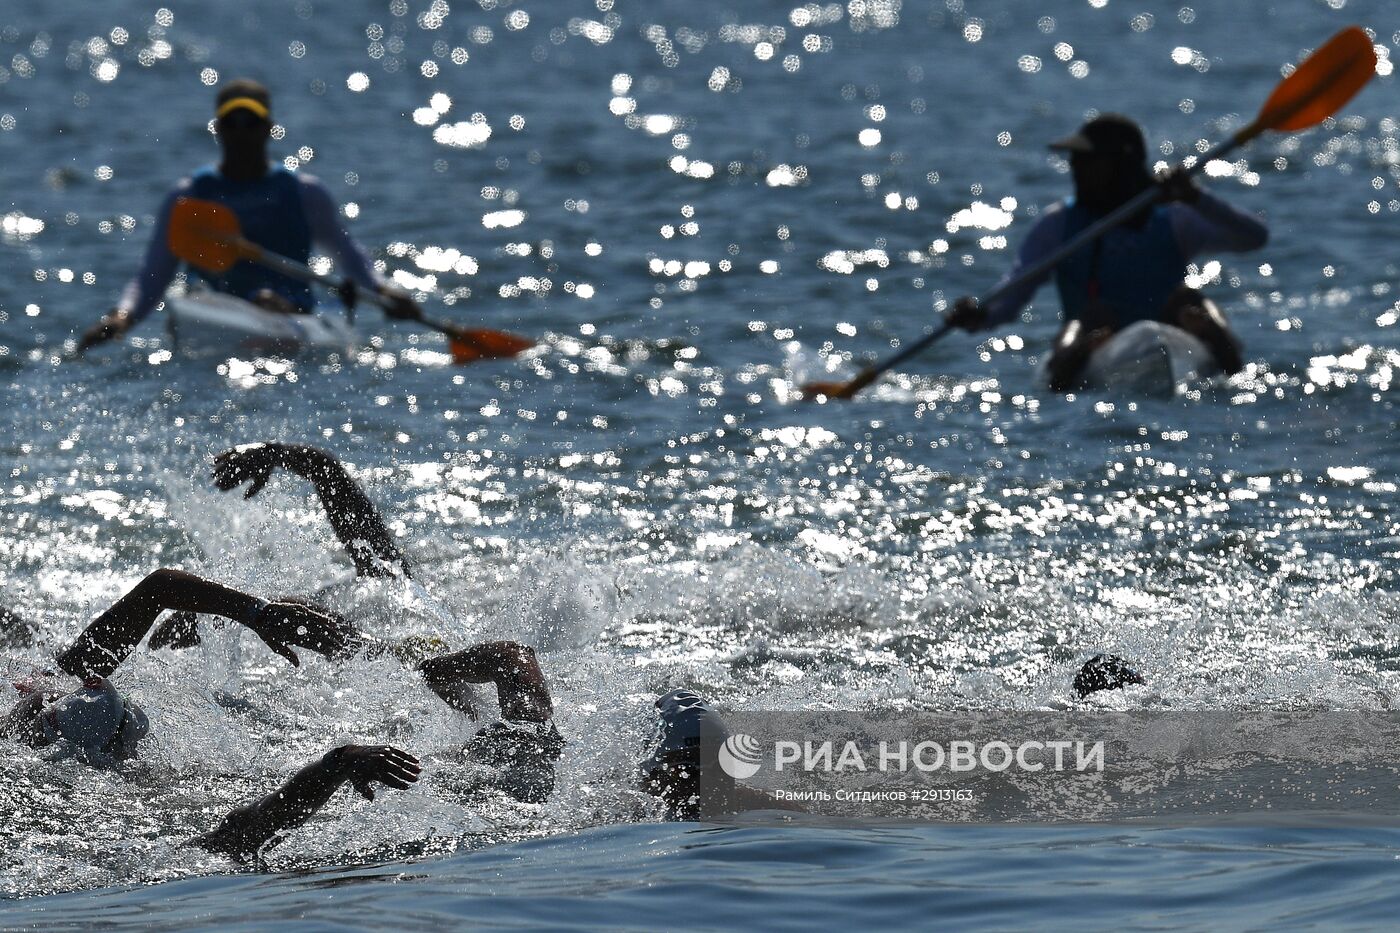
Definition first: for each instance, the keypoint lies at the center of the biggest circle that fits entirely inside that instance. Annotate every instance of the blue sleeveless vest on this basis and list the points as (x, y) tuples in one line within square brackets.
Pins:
[(1136, 268), (270, 212)]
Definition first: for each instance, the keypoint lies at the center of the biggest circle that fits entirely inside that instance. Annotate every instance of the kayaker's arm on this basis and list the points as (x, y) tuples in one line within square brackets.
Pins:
[(147, 288), (1209, 224), (1044, 237), (112, 636), (247, 830), (323, 216), (512, 667), (352, 515)]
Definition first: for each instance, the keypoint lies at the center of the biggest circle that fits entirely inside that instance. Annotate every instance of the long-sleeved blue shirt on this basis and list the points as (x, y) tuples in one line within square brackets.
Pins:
[(1131, 260), (313, 210)]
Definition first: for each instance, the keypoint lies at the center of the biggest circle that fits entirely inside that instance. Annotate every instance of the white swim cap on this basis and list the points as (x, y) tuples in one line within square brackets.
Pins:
[(96, 720)]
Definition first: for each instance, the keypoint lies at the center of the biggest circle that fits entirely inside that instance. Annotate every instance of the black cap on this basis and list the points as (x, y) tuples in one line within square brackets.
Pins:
[(1110, 134), (243, 94)]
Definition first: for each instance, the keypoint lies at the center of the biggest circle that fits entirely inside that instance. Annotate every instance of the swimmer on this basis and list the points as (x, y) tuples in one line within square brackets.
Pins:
[(688, 737), (96, 722), (102, 727), (354, 519), (524, 744), (251, 829)]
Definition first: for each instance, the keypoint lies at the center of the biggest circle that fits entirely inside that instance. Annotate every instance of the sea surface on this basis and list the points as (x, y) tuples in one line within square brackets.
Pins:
[(693, 207)]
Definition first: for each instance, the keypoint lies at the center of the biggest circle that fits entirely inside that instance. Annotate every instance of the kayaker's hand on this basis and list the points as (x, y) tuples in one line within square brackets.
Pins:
[(349, 293), (112, 326), (254, 462), (967, 314), (401, 305), (1177, 185)]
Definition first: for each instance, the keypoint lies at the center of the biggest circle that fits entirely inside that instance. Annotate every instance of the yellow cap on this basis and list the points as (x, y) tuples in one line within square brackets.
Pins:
[(242, 103)]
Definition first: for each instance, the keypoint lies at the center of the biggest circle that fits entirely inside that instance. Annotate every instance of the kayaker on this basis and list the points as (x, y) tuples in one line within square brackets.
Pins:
[(1134, 271), (285, 212)]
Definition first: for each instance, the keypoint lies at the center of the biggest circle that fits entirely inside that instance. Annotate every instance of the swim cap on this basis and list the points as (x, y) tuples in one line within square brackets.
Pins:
[(416, 649), (243, 94), (97, 720), (686, 721), (1105, 672), (135, 727)]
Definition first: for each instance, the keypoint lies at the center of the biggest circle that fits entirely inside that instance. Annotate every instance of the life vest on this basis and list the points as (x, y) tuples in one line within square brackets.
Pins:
[(271, 215), (1129, 270)]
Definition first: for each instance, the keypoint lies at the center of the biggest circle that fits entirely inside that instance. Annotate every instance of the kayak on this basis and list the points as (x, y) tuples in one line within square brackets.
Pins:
[(1149, 357), (213, 321)]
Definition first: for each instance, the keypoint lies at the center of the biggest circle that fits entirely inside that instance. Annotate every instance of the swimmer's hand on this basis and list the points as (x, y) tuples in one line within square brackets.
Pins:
[(366, 765), (248, 829), (285, 625), (249, 462)]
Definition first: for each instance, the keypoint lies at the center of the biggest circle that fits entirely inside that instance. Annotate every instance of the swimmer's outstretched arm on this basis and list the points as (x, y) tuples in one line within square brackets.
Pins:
[(355, 520), (512, 667), (245, 831), (112, 636)]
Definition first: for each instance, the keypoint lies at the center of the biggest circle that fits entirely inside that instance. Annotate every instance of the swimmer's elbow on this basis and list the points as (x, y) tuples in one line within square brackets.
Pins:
[(162, 580)]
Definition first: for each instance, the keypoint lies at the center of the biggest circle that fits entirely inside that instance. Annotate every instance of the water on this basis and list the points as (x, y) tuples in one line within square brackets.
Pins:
[(640, 497), (643, 877)]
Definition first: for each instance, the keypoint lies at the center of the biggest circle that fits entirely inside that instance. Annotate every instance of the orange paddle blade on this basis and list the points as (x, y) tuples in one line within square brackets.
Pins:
[(468, 344), (1322, 83), (205, 234)]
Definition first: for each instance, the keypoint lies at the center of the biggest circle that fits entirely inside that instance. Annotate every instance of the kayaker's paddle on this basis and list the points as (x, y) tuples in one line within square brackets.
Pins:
[(1318, 88), (206, 234)]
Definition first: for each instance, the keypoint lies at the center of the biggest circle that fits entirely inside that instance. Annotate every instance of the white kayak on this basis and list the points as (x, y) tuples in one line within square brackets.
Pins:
[(1149, 357), (213, 321)]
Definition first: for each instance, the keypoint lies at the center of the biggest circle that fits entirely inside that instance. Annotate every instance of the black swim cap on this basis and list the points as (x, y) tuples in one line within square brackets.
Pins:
[(1105, 672)]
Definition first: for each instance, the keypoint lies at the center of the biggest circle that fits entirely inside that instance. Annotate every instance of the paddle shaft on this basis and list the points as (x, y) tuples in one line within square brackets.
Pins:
[(441, 328), (464, 342), (295, 270)]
